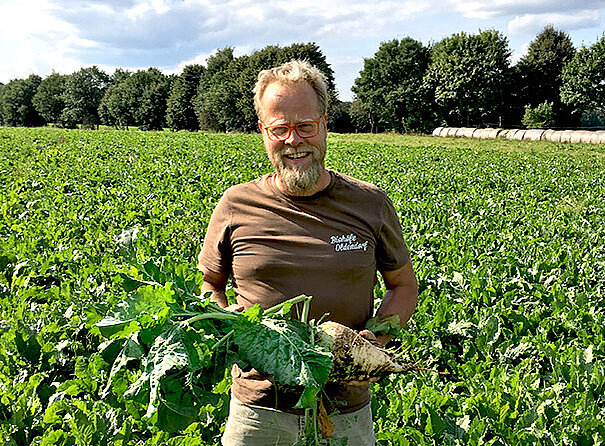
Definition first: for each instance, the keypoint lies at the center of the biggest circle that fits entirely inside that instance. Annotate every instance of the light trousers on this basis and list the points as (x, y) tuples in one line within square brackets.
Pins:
[(259, 426)]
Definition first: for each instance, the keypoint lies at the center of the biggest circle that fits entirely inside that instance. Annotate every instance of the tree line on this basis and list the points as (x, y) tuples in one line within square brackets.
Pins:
[(462, 80)]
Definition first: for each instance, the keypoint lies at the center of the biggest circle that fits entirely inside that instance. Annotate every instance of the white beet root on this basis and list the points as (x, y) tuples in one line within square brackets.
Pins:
[(355, 358)]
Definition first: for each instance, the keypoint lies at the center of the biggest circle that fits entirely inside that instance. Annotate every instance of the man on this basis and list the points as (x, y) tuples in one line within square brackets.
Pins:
[(303, 229)]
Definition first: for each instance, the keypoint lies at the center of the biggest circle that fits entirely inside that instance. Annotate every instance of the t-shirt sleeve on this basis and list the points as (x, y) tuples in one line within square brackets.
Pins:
[(391, 250), (216, 249)]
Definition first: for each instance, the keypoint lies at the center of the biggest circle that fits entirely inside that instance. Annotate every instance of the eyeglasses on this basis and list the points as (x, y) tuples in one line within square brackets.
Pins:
[(281, 132)]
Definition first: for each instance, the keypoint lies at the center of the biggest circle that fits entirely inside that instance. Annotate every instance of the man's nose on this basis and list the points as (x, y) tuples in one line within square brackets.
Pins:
[(293, 139)]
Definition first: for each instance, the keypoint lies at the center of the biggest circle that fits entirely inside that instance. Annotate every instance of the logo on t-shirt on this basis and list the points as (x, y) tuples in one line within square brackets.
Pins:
[(347, 242)]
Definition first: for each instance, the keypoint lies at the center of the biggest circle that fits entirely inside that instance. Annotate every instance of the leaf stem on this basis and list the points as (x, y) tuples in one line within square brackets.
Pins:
[(219, 316), (223, 340), (310, 413), (276, 308)]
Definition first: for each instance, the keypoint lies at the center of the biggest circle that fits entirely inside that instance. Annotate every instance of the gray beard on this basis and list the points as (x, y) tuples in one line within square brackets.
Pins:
[(300, 181)]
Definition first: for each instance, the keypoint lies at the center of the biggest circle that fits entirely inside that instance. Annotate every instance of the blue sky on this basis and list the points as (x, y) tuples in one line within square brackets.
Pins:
[(39, 36)]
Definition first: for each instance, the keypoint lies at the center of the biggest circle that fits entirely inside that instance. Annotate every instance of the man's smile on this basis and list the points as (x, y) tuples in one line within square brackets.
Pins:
[(297, 155)]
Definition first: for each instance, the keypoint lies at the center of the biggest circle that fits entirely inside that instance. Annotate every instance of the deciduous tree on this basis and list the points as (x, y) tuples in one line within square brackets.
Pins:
[(469, 75), (390, 86), (16, 105), (117, 106), (212, 102), (539, 72), (84, 90), (362, 117), (49, 100), (155, 89), (583, 80), (224, 100), (138, 99), (180, 114)]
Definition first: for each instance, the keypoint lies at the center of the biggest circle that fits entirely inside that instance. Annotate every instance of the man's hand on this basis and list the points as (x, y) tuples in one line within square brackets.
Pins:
[(235, 307), (377, 340), (215, 283)]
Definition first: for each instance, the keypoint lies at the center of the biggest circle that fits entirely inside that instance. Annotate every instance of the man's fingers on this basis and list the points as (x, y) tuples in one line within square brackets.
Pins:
[(371, 337), (367, 334), (235, 307)]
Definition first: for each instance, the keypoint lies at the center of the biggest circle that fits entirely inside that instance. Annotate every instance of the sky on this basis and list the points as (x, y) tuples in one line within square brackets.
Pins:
[(42, 36)]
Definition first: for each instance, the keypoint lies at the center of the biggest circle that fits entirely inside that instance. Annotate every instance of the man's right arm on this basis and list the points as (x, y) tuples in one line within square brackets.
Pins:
[(215, 283)]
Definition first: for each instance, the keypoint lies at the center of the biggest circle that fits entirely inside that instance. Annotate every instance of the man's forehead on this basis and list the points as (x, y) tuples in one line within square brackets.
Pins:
[(280, 94), (278, 86)]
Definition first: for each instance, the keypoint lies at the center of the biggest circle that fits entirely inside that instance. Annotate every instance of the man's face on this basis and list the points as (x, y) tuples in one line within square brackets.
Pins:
[(299, 162)]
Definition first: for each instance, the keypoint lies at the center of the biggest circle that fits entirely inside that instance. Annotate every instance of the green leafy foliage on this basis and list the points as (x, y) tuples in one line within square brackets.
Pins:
[(48, 100), (539, 73), (390, 87), (583, 79), (186, 345), (224, 100), (383, 325), (16, 106), (84, 90), (507, 240), (180, 114), (540, 117), (283, 349), (470, 76)]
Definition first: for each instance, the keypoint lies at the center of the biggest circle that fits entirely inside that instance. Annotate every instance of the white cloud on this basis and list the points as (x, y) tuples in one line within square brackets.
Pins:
[(251, 13), (32, 40), (534, 23), (38, 36), (354, 17), (200, 59), (157, 6), (484, 9), (516, 56)]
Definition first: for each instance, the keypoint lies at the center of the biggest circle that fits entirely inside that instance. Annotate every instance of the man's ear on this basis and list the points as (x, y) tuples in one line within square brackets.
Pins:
[(260, 126)]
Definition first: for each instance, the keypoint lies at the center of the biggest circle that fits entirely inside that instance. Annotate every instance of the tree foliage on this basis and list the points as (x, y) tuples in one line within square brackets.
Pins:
[(540, 117), (361, 116), (116, 107), (339, 116), (583, 80), (539, 72), (84, 90), (463, 80), (180, 114), (137, 99), (390, 87), (1, 89), (16, 105), (211, 103), (225, 101), (48, 100), (470, 77)]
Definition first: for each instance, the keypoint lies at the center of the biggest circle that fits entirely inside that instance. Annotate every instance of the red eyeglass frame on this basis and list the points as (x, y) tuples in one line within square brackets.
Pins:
[(290, 128)]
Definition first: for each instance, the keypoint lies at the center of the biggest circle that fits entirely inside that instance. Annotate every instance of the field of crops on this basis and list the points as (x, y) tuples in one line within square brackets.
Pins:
[(507, 240)]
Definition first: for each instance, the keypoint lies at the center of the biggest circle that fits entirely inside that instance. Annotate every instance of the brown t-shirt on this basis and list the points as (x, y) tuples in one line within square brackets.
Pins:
[(328, 246)]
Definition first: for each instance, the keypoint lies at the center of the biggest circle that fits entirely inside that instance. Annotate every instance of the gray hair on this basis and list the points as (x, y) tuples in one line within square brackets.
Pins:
[(293, 72)]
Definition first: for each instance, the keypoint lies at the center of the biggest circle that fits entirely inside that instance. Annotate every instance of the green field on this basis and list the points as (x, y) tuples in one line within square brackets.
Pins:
[(507, 240)]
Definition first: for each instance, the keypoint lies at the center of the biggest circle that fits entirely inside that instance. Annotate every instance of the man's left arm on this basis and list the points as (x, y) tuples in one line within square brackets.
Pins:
[(400, 298)]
